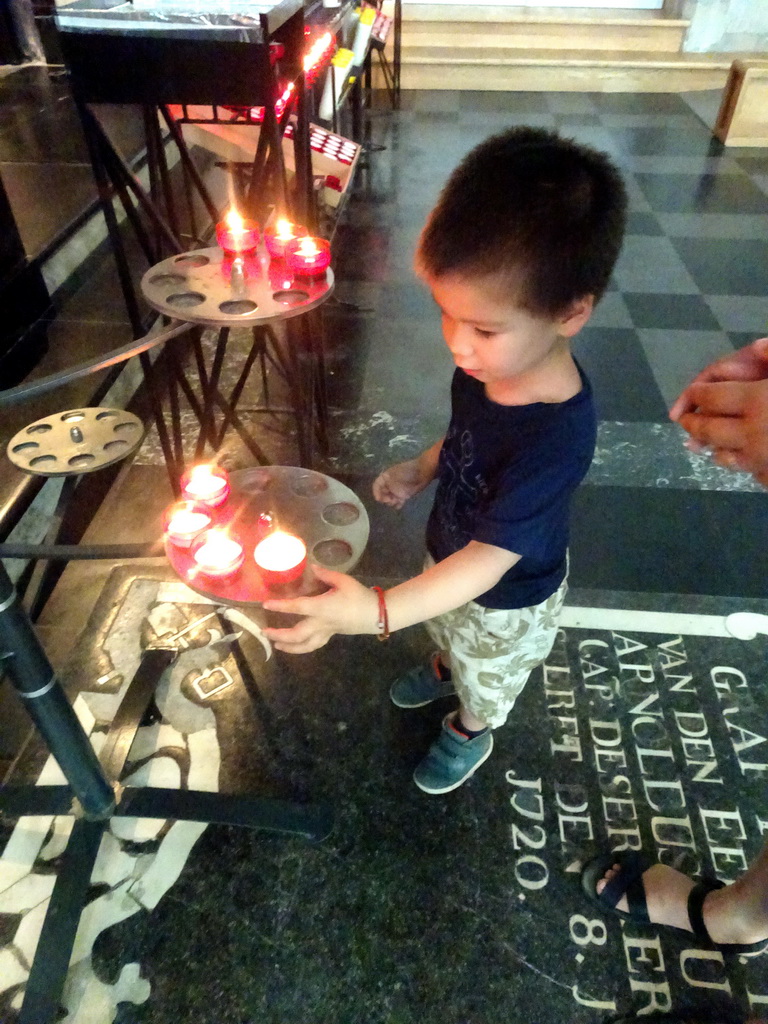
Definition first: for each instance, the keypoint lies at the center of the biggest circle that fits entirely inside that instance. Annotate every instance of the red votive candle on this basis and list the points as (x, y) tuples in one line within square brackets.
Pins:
[(217, 555), (184, 521), (308, 257), (206, 484), (281, 558), (278, 235), (235, 235)]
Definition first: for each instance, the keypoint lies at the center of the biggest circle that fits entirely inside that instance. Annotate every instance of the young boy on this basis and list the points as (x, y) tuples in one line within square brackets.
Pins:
[(520, 246)]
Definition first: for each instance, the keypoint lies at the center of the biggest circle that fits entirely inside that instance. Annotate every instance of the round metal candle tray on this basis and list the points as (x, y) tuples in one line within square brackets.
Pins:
[(76, 441), (325, 514), (208, 287)]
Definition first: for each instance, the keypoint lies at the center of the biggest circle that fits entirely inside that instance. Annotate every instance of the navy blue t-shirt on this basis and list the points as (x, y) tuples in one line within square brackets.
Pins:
[(505, 477)]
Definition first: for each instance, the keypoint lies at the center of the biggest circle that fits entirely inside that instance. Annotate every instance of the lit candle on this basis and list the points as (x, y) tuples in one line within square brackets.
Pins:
[(236, 235), (184, 521), (308, 257), (206, 484), (217, 555), (281, 558), (279, 235)]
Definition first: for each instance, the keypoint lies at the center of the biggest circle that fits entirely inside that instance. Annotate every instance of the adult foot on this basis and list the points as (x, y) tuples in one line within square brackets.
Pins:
[(725, 913)]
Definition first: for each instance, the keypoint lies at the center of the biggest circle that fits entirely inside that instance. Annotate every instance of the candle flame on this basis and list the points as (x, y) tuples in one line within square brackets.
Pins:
[(218, 551), (185, 520), (216, 538), (284, 230), (280, 551), (205, 483), (307, 248), (235, 222)]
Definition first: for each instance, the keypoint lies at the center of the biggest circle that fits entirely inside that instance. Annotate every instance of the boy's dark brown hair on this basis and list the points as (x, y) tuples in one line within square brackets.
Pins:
[(539, 214)]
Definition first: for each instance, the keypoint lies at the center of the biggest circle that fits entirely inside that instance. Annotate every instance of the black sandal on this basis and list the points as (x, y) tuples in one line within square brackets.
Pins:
[(628, 881)]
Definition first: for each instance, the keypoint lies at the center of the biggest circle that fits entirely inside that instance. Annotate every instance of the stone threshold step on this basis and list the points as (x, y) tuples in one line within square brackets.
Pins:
[(516, 77), (572, 58)]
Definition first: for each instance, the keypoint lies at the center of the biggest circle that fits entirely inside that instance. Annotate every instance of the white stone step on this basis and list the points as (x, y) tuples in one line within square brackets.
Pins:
[(483, 68), (526, 27)]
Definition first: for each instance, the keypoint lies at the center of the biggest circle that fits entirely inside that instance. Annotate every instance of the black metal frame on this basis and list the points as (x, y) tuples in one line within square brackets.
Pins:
[(93, 794), (162, 75), (248, 78), (391, 71)]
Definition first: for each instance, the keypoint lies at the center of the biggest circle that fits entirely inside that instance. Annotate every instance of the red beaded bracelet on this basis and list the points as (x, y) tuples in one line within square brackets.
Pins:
[(383, 623)]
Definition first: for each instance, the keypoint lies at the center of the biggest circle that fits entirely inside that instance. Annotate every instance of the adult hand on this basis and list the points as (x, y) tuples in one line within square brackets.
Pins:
[(747, 364), (731, 417), (725, 408), (348, 607), (400, 482)]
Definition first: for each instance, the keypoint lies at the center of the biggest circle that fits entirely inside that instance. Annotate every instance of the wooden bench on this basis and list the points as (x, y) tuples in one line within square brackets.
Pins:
[(743, 116)]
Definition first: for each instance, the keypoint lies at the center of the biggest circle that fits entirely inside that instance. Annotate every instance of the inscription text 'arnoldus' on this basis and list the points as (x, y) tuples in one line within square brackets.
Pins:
[(654, 744)]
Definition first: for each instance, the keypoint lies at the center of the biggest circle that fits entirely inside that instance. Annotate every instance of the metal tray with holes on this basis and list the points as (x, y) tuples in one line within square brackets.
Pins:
[(327, 515), (76, 441), (208, 287)]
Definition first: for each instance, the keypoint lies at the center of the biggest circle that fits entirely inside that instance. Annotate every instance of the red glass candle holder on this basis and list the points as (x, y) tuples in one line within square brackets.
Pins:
[(281, 558), (183, 521), (206, 484), (308, 257), (277, 236), (281, 279), (235, 235), (217, 555)]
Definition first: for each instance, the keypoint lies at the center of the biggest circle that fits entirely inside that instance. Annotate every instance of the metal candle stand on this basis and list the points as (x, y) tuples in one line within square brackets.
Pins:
[(149, 56), (208, 288), (68, 444), (334, 523)]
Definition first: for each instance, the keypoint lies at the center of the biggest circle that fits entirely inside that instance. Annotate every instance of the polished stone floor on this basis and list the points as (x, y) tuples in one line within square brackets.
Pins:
[(646, 727)]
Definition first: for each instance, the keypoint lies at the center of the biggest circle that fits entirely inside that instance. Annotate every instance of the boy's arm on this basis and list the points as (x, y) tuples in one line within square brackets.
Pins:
[(349, 607)]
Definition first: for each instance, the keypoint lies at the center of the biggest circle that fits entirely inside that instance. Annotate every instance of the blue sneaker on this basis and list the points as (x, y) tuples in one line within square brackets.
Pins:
[(452, 758), (420, 686)]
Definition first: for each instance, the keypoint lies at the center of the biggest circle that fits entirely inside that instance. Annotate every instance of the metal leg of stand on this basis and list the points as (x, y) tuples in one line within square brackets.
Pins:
[(300, 393), (213, 399), (103, 184), (356, 108), (33, 678), (317, 396), (174, 470), (311, 821), (44, 575), (127, 720), (305, 193), (256, 351), (189, 165), (49, 969)]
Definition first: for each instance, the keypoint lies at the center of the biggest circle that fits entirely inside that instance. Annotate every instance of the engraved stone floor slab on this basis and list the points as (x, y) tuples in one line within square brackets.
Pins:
[(649, 737)]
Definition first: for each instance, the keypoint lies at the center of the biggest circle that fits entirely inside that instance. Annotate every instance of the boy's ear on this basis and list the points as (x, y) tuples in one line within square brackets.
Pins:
[(576, 316)]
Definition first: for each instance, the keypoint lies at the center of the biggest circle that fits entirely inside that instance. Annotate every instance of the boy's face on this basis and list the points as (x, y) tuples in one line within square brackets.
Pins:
[(494, 339)]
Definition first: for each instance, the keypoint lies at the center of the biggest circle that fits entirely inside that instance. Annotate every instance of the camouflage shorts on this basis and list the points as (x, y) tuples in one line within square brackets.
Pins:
[(493, 651)]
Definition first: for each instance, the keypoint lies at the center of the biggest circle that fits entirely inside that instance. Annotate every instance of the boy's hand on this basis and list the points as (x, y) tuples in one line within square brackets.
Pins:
[(348, 607), (400, 482)]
